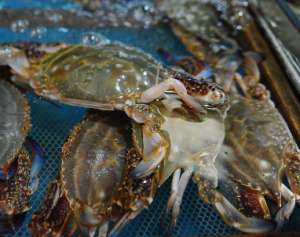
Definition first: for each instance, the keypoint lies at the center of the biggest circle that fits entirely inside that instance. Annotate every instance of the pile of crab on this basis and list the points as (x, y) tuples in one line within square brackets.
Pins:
[(146, 123), (21, 158), (207, 118)]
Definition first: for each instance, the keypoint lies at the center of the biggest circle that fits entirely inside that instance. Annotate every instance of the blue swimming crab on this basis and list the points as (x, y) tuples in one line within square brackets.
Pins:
[(195, 142), (95, 190), (113, 77), (258, 151), (20, 158)]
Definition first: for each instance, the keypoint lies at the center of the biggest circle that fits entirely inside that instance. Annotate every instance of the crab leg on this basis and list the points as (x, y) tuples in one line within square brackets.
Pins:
[(103, 230), (292, 163), (285, 212), (158, 90), (235, 218), (183, 182), (12, 223), (252, 202), (174, 189), (127, 218), (54, 216), (16, 59)]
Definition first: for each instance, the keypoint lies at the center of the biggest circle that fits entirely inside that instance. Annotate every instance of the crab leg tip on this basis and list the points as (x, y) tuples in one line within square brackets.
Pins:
[(285, 212)]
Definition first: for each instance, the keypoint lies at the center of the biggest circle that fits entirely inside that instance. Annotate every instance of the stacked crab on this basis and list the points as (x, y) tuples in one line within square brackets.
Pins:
[(99, 153), (147, 122), (21, 158), (258, 149)]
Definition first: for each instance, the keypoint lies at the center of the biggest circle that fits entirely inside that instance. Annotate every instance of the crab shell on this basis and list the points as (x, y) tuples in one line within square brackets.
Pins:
[(263, 142), (14, 124), (94, 186), (103, 77), (21, 158), (196, 16), (17, 189), (258, 151)]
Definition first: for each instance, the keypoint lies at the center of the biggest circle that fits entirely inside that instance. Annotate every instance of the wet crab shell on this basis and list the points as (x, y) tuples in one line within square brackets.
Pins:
[(196, 16), (15, 192), (260, 138), (17, 189), (88, 76), (105, 77), (93, 157), (14, 122), (95, 187)]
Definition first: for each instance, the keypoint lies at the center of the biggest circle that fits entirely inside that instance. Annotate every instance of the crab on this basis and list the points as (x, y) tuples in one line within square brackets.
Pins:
[(95, 188), (198, 24), (195, 142), (15, 125), (112, 77), (20, 159), (258, 151)]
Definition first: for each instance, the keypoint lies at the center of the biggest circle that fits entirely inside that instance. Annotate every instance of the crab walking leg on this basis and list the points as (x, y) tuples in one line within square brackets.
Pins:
[(103, 230), (292, 170), (126, 218), (174, 189), (16, 59), (183, 182), (285, 212), (155, 150), (158, 90), (235, 218)]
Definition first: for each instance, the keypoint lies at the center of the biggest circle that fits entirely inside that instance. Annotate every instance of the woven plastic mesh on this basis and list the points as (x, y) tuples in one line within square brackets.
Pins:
[(53, 122)]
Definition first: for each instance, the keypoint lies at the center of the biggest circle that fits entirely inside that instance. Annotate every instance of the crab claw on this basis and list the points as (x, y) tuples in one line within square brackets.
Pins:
[(38, 158), (155, 150), (235, 218)]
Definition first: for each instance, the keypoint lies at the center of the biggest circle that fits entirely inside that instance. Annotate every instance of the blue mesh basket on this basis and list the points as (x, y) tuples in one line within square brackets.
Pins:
[(52, 123)]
